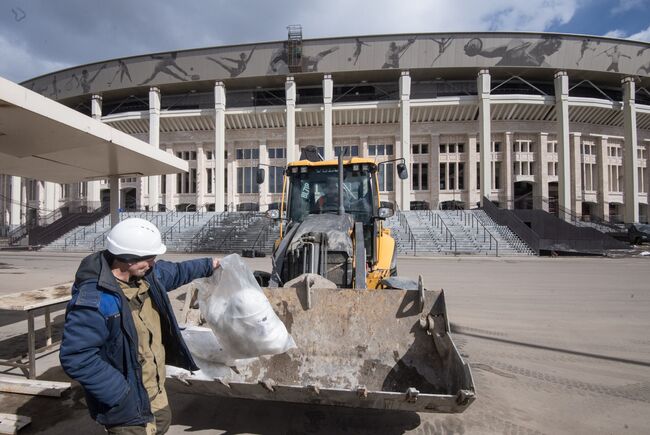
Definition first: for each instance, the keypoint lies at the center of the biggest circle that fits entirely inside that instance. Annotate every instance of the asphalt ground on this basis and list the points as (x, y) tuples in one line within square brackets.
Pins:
[(556, 345)]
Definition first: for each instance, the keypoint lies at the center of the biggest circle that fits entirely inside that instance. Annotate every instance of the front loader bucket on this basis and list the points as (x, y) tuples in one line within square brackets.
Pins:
[(385, 349)]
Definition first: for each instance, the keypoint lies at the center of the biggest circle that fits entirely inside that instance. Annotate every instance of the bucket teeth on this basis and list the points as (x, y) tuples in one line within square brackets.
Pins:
[(268, 384), (412, 395)]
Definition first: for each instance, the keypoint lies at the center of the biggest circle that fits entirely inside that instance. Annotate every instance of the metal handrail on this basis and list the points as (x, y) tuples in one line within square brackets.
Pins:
[(263, 235), (404, 223), (209, 225), (437, 220), (574, 218), (243, 221), (472, 221), (486, 232), (85, 231), (21, 231), (100, 238)]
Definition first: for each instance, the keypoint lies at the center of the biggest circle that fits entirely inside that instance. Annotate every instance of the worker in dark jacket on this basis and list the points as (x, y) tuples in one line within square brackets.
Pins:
[(120, 329)]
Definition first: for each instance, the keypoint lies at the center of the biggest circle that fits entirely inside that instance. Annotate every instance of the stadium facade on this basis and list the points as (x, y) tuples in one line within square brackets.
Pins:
[(566, 117)]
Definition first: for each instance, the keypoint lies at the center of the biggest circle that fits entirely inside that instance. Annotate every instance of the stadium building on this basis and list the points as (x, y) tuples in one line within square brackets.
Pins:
[(546, 121)]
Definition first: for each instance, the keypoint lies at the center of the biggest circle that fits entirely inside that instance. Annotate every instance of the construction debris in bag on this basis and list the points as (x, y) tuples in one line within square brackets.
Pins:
[(239, 314)]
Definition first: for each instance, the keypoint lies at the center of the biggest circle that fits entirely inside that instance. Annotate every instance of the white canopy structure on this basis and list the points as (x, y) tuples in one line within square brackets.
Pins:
[(45, 140)]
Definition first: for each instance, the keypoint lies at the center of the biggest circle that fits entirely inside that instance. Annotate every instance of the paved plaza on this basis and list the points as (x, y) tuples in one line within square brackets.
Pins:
[(556, 345)]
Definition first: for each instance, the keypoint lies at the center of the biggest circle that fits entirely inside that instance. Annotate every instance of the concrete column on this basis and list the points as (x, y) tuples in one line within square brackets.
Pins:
[(219, 146), (41, 197), (51, 202), (483, 83), (363, 142), (434, 171), (647, 179), (23, 202), (563, 146), (114, 183), (405, 138), (328, 91), (540, 188), (232, 175), (264, 187), (575, 144), (154, 141), (507, 163), (170, 185), (603, 178), (472, 160), (96, 107), (201, 187), (630, 158), (4, 203), (93, 187), (14, 216), (290, 92)]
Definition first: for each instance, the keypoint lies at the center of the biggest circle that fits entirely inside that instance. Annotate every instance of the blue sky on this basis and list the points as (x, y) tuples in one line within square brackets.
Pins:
[(607, 17), (42, 36)]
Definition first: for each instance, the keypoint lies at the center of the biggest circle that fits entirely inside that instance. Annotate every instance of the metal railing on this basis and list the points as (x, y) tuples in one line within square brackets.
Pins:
[(185, 221), (21, 231), (263, 236), (403, 222), (15, 235), (473, 222), (99, 241), (572, 217), (238, 225), (197, 239), (437, 221), (516, 225)]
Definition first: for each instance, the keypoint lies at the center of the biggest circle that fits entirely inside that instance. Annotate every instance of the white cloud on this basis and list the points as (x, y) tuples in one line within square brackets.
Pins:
[(74, 32), (643, 35), (19, 64), (616, 33), (343, 17)]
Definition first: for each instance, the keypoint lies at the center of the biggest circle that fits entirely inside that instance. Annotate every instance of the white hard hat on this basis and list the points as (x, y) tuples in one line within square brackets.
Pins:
[(135, 237)]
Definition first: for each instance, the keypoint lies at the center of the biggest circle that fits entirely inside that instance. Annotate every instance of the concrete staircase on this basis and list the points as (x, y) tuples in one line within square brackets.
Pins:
[(454, 232), (93, 237), (404, 237), (179, 236), (236, 232)]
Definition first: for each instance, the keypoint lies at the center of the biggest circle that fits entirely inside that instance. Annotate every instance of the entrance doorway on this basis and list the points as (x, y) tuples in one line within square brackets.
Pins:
[(523, 194), (419, 205), (451, 205), (130, 199), (553, 198), (615, 213), (589, 211)]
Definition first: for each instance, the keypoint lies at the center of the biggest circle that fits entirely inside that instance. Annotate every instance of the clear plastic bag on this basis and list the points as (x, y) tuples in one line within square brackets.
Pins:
[(207, 352), (239, 314)]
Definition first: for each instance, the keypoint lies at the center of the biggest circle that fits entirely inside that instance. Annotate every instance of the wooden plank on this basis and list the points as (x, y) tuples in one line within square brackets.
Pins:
[(32, 387), (12, 423), (32, 299)]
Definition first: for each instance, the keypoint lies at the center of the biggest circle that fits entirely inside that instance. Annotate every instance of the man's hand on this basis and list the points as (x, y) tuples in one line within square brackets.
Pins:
[(215, 263)]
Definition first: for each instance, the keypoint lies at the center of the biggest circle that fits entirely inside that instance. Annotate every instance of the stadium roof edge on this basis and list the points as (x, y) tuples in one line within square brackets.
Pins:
[(334, 38)]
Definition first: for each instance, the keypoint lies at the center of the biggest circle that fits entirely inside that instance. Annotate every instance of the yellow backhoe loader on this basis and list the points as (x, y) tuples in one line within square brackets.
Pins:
[(365, 336)]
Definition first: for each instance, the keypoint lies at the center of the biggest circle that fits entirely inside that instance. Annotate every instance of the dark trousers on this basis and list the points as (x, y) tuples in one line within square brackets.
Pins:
[(160, 425)]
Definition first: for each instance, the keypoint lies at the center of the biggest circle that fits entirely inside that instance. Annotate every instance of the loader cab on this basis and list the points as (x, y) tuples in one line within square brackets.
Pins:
[(313, 189)]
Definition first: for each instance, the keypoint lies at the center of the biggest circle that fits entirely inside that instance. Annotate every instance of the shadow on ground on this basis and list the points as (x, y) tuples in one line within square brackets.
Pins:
[(235, 416)]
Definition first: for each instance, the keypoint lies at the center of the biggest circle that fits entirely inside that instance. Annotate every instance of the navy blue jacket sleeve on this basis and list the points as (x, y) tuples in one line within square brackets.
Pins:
[(84, 333), (174, 275)]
